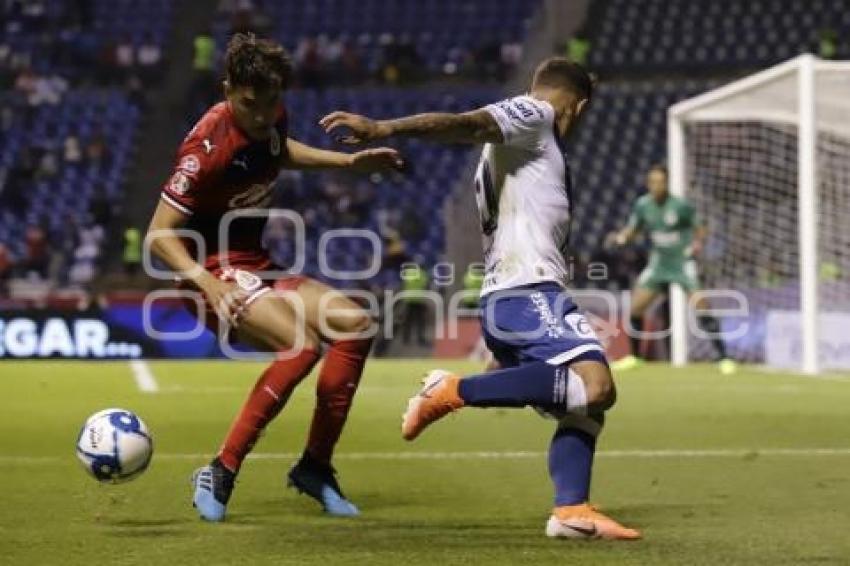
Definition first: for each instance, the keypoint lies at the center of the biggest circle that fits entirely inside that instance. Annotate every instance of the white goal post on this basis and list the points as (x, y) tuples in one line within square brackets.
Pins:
[(766, 161)]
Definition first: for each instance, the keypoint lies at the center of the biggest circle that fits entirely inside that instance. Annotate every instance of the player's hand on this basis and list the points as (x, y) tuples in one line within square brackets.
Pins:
[(360, 128), (695, 249), (227, 299), (615, 239), (378, 159)]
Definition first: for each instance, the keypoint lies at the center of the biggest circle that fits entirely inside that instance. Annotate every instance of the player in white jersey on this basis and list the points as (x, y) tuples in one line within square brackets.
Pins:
[(549, 355)]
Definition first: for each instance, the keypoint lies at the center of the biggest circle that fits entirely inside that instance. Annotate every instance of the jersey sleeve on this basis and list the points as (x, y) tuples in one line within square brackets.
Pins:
[(635, 218), (523, 120), (195, 168), (694, 219)]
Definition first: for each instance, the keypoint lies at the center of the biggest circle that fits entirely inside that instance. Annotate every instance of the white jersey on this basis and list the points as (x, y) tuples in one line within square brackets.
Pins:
[(522, 188)]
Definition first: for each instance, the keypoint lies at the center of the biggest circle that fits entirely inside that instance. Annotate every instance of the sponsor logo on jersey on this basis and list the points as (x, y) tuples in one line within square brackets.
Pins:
[(554, 329), (190, 164), (179, 183), (256, 196), (664, 239), (245, 280), (523, 109), (508, 109), (208, 146), (580, 325)]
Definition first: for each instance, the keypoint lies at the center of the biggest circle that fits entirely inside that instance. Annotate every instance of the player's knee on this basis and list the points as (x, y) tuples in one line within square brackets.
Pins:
[(361, 322), (598, 383), (357, 325), (303, 338), (601, 393)]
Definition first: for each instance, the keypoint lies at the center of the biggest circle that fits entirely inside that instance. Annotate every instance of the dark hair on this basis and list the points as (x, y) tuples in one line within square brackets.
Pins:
[(259, 63), (560, 72)]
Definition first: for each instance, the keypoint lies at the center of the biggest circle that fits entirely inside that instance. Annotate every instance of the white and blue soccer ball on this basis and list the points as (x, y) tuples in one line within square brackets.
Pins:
[(114, 446)]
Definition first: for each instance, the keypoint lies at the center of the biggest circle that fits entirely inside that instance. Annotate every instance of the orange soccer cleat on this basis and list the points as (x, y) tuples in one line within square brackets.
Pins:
[(586, 522), (438, 398)]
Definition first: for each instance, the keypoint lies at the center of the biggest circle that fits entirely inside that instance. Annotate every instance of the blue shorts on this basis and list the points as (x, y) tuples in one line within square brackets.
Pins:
[(537, 323)]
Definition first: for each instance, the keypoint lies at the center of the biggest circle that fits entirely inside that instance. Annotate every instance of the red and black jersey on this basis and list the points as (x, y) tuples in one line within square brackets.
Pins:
[(219, 170)]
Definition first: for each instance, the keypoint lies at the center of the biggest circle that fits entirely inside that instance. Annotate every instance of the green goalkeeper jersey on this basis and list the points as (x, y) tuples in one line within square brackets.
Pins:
[(670, 226)]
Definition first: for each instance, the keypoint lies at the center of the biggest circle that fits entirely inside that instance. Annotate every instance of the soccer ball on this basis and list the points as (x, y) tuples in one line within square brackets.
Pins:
[(114, 446)]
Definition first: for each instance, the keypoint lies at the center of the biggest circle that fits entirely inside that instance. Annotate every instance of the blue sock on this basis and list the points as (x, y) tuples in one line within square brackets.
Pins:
[(570, 462), (538, 383)]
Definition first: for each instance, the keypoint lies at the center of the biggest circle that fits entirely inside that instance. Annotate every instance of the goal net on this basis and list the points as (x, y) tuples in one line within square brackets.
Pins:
[(766, 162)]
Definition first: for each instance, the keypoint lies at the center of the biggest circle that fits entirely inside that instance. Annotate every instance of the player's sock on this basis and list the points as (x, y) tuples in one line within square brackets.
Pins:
[(338, 380), (711, 325), (538, 383), (634, 339), (571, 458), (265, 401)]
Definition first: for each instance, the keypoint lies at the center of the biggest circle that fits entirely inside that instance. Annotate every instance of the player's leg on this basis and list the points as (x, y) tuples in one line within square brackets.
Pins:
[(542, 331), (710, 324), (579, 393), (571, 455), (644, 293), (348, 330), (271, 323)]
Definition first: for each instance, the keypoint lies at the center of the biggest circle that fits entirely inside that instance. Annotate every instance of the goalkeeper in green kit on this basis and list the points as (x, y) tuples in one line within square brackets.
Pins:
[(677, 239)]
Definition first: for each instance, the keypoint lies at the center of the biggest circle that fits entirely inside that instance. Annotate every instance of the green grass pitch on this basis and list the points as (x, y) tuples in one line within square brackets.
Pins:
[(714, 470)]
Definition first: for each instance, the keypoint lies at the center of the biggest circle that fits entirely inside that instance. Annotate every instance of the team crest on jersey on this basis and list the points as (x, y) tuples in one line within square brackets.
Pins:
[(274, 143), (257, 196), (190, 164), (179, 183), (670, 217)]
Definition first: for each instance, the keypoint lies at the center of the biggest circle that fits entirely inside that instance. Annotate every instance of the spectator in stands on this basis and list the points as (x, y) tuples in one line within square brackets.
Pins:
[(411, 226), (7, 265), (25, 82), (204, 90), (578, 48), (351, 64), (125, 57), (36, 258), (72, 150), (18, 182), (48, 163), (414, 283), (401, 61), (132, 254), (473, 280), (84, 267), (48, 90), (136, 92), (395, 250), (247, 17), (511, 54), (827, 43), (149, 57), (488, 61), (97, 152), (309, 64)]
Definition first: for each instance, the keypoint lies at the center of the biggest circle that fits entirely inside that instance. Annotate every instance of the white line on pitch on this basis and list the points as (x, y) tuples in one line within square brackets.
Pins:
[(504, 455), (143, 376), (518, 455)]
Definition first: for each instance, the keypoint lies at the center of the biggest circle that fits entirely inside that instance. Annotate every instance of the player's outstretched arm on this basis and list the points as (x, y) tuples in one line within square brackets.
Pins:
[(622, 237), (474, 127), (303, 156)]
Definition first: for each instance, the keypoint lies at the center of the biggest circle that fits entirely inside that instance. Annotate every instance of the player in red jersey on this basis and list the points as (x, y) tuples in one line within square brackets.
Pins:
[(226, 164)]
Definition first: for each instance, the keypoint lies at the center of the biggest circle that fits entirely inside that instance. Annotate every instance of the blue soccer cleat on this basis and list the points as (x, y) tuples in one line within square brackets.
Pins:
[(213, 485), (319, 482)]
